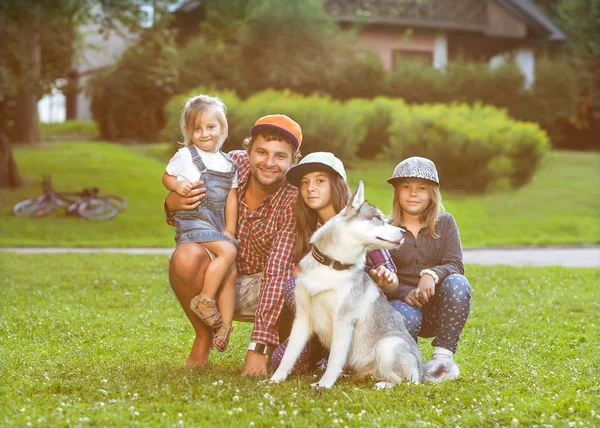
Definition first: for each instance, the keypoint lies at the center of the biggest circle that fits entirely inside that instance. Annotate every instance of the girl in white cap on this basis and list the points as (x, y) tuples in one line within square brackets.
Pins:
[(324, 192), (433, 296)]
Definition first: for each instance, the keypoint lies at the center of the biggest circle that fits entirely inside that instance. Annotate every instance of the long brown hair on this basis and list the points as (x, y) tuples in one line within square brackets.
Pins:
[(306, 218), (429, 217)]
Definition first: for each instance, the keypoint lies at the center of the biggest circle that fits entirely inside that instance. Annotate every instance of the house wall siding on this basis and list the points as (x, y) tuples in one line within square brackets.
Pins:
[(386, 41), (502, 24)]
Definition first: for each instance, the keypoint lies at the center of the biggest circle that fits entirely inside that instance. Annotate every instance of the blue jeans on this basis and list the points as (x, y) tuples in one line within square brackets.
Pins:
[(444, 316)]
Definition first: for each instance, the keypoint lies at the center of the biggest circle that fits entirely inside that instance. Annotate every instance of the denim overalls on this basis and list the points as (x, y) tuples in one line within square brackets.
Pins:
[(206, 222)]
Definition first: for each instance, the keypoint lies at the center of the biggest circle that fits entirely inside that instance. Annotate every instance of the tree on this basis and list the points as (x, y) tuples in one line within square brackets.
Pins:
[(288, 45), (580, 20), (39, 39)]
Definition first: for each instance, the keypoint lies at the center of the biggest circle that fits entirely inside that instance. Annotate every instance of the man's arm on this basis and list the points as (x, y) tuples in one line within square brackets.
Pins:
[(231, 212), (174, 202), (277, 272)]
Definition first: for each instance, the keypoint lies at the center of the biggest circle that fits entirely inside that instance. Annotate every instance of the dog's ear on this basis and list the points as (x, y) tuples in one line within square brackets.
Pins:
[(357, 198)]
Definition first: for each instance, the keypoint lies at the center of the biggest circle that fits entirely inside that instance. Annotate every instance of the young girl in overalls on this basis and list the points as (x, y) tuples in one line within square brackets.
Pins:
[(213, 224), (433, 296)]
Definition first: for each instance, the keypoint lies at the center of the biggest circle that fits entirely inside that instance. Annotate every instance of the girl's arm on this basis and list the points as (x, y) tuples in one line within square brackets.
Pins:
[(231, 213), (171, 183), (452, 256)]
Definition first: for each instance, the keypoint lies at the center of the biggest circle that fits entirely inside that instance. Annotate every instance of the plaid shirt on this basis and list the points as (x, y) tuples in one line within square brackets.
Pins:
[(376, 258), (266, 242)]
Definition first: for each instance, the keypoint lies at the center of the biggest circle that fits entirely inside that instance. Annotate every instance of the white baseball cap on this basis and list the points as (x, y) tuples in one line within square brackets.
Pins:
[(314, 162)]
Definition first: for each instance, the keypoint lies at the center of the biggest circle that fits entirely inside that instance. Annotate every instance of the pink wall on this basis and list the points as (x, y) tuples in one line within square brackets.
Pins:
[(385, 41)]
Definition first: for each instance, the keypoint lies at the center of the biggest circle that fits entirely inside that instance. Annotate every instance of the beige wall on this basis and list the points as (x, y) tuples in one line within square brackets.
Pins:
[(385, 41)]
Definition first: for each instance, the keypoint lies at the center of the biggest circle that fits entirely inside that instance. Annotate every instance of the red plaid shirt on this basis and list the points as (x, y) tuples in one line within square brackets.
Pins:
[(266, 242)]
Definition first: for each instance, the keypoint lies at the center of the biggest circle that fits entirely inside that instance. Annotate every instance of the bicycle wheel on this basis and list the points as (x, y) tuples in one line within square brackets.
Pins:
[(33, 207), (117, 201), (97, 209)]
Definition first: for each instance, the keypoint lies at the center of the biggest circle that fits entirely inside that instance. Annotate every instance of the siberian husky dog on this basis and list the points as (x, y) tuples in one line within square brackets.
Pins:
[(337, 300)]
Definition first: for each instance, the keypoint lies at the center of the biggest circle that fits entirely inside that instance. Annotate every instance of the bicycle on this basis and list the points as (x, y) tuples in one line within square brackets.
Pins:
[(87, 203)]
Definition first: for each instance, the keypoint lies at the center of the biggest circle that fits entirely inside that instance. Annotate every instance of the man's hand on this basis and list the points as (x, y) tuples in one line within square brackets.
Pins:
[(188, 202), (412, 300), (183, 187), (229, 235), (425, 289), (384, 278), (256, 364)]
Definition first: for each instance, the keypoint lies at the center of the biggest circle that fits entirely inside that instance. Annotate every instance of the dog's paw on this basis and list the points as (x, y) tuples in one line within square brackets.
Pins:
[(322, 385), (384, 385), (275, 380)]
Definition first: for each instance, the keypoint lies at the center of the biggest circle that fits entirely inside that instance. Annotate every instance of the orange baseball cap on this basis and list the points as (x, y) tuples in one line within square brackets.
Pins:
[(282, 123)]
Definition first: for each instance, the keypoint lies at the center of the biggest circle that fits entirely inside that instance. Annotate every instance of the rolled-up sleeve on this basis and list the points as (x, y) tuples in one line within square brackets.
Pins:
[(277, 272)]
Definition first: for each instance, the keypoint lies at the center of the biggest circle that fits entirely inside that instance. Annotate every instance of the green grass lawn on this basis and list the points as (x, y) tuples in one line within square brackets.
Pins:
[(560, 206), (99, 339)]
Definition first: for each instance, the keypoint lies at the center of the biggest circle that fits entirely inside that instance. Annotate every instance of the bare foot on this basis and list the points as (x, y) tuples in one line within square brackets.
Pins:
[(199, 354)]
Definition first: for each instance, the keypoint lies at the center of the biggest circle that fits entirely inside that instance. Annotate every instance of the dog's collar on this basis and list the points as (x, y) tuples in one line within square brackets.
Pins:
[(328, 261)]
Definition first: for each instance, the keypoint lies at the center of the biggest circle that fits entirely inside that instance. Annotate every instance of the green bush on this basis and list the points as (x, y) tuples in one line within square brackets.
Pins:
[(415, 82), (326, 123), (70, 128), (475, 148), (127, 100), (200, 63), (358, 75)]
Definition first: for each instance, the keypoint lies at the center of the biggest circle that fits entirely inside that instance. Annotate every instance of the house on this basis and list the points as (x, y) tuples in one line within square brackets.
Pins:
[(441, 30), (433, 30)]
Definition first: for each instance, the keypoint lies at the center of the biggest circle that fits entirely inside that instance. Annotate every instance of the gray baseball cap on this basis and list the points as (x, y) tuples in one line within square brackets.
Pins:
[(313, 162), (415, 167)]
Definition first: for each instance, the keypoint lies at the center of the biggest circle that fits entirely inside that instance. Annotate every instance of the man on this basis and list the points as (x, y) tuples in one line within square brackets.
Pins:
[(266, 240)]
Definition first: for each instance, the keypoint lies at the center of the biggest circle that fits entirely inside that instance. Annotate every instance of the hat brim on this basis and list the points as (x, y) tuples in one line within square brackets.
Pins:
[(394, 180), (262, 126), (295, 173)]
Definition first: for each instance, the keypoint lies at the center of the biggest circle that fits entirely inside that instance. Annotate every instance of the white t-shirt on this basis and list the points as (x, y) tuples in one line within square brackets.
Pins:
[(182, 166)]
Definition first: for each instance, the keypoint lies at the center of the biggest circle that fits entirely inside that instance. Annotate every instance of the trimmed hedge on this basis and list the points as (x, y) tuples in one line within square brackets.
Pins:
[(476, 148)]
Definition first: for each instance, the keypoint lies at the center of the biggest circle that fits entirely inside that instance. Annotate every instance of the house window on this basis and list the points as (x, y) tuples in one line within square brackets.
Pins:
[(399, 56)]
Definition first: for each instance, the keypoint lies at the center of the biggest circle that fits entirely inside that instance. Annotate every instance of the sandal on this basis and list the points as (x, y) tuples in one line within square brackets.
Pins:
[(222, 336), (212, 318)]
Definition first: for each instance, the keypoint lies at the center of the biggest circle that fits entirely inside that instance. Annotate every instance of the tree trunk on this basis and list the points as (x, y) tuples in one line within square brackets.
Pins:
[(26, 127), (9, 172)]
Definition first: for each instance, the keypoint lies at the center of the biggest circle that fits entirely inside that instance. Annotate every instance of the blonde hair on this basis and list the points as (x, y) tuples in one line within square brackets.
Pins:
[(429, 217), (198, 106)]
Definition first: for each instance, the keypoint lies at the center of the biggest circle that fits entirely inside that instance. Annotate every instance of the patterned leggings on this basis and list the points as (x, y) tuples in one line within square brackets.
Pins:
[(312, 353), (444, 316)]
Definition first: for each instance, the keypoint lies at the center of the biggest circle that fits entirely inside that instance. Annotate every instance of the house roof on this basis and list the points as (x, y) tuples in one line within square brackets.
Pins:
[(527, 10), (466, 15)]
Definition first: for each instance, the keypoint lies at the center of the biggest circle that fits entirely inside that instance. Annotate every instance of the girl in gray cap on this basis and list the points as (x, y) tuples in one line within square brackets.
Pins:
[(433, 296)]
